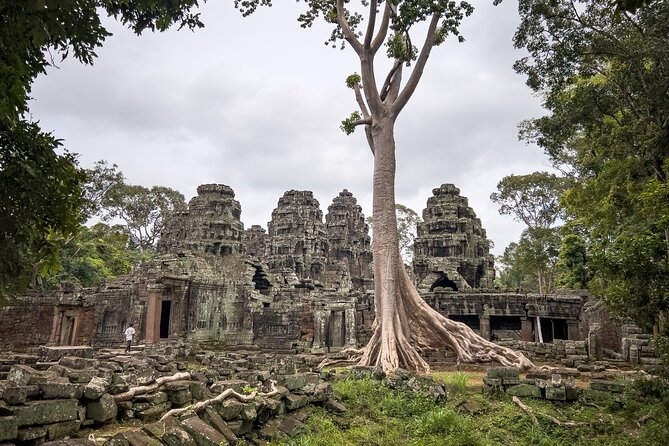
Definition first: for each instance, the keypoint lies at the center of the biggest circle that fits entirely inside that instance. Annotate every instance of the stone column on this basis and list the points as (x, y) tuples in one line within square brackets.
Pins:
[(485, 323), (593, 345), (351, 338), (320, 326), (573, 332), (154, 307), (526, 329)]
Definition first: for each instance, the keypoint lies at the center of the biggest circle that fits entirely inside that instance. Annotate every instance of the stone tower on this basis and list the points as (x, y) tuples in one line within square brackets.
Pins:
[(348, 239), (451, 249), (255, 239), (296, 239), (211, 224)]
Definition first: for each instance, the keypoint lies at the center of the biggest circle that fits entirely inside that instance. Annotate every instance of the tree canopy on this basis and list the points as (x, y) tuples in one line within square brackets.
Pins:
[(42, 195), (604, 74)]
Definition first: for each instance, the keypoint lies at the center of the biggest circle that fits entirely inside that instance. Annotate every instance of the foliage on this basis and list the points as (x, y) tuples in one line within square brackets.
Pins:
[(97, 253), (101, 179), (604, 75), (535, 256), (532, 199), (39, 205), (573, 263), (42, 198), (378, 415), (143, 210)]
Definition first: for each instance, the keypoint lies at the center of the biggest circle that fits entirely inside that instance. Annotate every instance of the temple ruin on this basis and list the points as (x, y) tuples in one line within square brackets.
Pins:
[(304, 285)]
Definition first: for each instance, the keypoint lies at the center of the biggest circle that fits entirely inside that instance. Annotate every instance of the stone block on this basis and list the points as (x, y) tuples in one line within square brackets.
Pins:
[(62, 430), (21, 374), (248, 412), (83, 376), (9, 428), (31, 433), (96, 387), (271, 431), (508, 375), (102, 410), (556, 393), (240, 427), (15, 395), (230, 409), (524, 390), (179, 397), (74, 362), (235, 384), (290, 426), (211, 417), (294, 402), (199, 391), (607, 386), (202, 433), (46, 412), (154, 412), (59, 390)]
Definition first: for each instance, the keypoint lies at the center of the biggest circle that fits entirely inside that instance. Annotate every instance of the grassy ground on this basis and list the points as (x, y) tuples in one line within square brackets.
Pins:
[(382, 417)]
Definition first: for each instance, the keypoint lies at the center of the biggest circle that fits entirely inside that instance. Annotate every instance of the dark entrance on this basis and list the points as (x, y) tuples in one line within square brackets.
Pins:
[(552, 329), (471, 320), (444, 282), (165, 318)]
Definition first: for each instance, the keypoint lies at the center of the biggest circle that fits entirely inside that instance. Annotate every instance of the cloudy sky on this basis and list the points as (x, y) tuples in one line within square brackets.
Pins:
[(256, 103)]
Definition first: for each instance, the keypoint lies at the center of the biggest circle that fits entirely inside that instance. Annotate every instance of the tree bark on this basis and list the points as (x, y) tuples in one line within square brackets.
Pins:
[(405, 325)]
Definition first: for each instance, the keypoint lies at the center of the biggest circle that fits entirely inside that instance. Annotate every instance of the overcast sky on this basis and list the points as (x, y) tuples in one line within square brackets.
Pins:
[(256, 104)]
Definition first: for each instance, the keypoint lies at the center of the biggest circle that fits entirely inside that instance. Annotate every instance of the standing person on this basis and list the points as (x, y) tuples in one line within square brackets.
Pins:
[(129, 333)]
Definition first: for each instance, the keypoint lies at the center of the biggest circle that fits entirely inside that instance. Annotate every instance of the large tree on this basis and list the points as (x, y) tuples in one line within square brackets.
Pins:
[(41, 188), (404, 323), (604, 75)]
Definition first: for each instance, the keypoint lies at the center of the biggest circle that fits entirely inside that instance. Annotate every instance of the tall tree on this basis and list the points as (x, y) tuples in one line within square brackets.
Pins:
[(404, 323), (604, 75), (533, 199)]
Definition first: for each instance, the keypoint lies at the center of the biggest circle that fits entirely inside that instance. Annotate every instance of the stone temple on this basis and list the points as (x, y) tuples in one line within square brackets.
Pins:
[(304, 285)]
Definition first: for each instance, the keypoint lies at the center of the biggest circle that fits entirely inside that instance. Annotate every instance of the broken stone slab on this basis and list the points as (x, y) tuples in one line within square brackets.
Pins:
[(334, 406), (294, 402), (55, 353), (556, 392), (77, 363), (154, 412), (72, 442), (169, 432), (292, 382), (82, 376), (210, 416), (203, 434), (102, 410), (290, 426), (45, 412), (271, 431)]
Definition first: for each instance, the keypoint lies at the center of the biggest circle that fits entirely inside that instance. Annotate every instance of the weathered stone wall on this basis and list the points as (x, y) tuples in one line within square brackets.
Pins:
[(451, 248), (25, 325)]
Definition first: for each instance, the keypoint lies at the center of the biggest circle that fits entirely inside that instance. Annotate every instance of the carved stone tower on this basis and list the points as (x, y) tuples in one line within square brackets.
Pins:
[(348, 238), (296, 236), (211, 224), (451, 249)]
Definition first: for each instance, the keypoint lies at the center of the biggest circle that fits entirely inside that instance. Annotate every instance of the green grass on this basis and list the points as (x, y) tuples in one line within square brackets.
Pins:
[(378, 416)]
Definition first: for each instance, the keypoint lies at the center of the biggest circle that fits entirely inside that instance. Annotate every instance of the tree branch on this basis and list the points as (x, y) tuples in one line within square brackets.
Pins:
[(417, 72), (391, 85), (373, 5), (383, 29), (346, 29)]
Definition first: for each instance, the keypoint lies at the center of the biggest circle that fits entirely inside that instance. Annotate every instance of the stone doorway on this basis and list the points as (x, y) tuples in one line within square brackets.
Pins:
[(336, 334), (165, 310)]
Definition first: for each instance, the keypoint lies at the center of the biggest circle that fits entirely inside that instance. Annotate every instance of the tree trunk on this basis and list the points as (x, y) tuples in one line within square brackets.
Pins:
[(405, 324)]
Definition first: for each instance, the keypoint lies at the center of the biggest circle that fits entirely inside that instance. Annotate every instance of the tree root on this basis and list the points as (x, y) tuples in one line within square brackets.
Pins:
[(141, 390), (228, 393), (353, 355), (550, 418)]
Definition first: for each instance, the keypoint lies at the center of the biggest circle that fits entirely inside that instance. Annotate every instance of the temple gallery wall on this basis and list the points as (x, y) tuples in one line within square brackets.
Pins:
[(304, 284)]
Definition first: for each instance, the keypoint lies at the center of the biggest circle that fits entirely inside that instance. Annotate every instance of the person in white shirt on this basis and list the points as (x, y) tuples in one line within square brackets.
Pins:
[(129, 333)]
